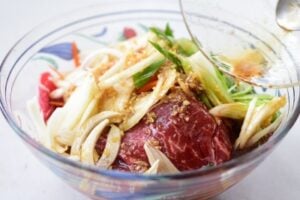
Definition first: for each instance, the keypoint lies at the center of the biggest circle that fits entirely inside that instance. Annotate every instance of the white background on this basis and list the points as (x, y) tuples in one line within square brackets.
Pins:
[(23, 177)]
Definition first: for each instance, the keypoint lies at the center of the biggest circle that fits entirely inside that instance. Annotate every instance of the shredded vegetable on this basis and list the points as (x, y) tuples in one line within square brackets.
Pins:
[(112, 148), (141, 78), (84, 130), (153, 169), (74, 109), (256, 117), (142, 105), (105, 111), (231, 110), (87, 151), (38, 121)]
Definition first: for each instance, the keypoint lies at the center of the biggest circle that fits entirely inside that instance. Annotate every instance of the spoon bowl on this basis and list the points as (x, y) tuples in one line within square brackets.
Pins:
[(288, 14)]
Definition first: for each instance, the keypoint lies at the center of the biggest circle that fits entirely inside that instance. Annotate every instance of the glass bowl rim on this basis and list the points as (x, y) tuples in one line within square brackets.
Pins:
[(238, 161)]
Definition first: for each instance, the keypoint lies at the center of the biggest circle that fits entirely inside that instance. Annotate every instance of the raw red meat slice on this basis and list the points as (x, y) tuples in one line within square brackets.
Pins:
[(183, 130)]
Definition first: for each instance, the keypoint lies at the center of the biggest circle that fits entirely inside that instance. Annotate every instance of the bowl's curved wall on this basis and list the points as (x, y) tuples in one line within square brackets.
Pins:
[(92, 28)]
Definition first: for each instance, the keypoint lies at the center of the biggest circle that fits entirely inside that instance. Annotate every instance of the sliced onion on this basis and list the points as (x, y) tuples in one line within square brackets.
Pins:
[(38, 122), (153, 169), (230, 110), (142, 105), (96, 155), (112, 147), (266, 112), (259, 117), (129, 72), (53, 125), (102, 52), (262, 133), (76, 77), (57, 93), (124, 89), (153, 154), (75, 108), (115, 68), (85, 129), (87, 151), (120, 100), (90, 111), (250, 112)]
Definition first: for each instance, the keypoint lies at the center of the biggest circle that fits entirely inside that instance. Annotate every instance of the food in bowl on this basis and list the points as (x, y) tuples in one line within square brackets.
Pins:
[(150, 104)]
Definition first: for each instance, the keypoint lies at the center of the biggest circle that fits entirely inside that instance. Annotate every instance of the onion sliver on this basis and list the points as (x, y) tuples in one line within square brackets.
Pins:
[(104, 51), (258, 118), (87, 151), (38, 122), (153, 154), (129, 72), (230, 110), (242, 139), (90, 110), (74, 109), (112, 147), (153, 169), (262, 133), (85, 130), (53, 125)]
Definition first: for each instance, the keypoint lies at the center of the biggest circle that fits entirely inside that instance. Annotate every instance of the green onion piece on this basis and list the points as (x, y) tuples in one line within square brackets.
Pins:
[(242, 89), (211, 79), (186, 46), (204, 99), (141, 78), (162, 35), (246, 98), (168, 54), (168, 30)]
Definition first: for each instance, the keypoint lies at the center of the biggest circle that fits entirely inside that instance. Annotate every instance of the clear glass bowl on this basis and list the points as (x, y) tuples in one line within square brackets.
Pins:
[(50, 44)]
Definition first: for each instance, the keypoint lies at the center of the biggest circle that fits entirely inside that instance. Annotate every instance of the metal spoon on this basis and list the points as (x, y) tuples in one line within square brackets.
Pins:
[(288, 14)]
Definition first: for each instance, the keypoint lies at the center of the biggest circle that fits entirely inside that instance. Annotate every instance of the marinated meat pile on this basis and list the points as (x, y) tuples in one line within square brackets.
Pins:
[(182, 128)]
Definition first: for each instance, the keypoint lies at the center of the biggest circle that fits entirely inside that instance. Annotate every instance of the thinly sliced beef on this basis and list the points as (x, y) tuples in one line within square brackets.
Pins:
[(183, 130)]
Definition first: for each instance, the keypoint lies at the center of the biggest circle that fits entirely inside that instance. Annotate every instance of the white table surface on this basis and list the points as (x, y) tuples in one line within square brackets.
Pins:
[(23, 177)]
